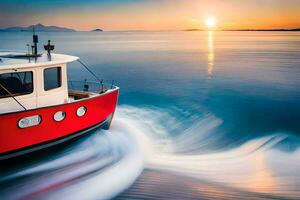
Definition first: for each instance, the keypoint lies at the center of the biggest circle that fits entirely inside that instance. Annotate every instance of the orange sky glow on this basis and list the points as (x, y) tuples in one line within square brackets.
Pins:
[(170, 15)]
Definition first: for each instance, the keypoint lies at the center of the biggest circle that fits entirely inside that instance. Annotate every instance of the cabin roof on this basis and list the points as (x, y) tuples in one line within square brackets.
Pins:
[(43, 60)]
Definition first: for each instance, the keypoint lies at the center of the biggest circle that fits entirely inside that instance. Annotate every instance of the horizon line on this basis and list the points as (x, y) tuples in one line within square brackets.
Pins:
[(158, 30)]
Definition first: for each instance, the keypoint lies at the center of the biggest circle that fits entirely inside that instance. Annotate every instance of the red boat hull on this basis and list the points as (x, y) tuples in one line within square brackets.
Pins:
[(100, 109)]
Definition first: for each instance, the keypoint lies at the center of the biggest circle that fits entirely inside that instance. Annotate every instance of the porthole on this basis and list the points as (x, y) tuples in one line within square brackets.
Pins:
[(29, 121), (59, 116), (81, 111)]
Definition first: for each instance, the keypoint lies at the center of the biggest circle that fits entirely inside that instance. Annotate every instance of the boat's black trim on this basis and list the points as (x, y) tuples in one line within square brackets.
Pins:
[(40, 146), (21, 56)]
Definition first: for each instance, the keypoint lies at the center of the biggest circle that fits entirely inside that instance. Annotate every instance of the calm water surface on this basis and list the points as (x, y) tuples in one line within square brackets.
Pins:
[(205, 114)]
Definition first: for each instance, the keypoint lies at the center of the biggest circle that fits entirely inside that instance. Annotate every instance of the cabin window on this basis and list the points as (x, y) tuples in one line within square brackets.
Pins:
[(16, 83), (52, 78)]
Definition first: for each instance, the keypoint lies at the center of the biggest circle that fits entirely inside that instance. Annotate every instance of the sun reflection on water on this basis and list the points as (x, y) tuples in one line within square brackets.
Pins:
[(261, 180), (210, 53)]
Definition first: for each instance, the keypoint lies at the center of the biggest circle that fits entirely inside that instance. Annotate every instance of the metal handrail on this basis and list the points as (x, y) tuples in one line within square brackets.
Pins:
[(101, 82), (92, 86)]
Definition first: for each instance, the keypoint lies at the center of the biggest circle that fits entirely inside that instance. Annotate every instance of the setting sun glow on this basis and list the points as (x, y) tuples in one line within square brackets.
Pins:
[(153, 15), (210, 22)]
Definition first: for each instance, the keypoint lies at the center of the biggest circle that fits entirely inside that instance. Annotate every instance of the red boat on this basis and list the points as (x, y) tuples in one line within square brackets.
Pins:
[(40, 108)]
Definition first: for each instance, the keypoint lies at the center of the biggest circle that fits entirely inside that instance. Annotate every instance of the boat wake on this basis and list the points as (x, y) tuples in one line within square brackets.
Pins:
[(105, 163), (97, 167), (267, 164)]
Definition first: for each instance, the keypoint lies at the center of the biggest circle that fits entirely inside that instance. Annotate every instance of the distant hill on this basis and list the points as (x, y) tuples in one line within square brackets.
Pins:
[(38, 27), (97, 30)]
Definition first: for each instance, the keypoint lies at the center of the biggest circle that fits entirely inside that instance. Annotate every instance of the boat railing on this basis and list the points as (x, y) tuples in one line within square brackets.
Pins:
[(90, 86)]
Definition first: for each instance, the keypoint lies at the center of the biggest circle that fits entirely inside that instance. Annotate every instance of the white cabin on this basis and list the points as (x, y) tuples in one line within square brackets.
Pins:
[(35, 82)]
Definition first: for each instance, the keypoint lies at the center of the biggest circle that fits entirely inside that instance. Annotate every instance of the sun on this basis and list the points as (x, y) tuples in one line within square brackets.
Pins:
[(210, 22)]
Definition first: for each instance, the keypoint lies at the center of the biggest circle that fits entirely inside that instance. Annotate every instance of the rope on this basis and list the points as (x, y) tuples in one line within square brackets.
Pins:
[(100, 80), (86, 67), (12, 96)]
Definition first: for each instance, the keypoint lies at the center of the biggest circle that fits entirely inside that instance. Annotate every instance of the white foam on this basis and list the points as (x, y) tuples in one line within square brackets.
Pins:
[(252, 166)]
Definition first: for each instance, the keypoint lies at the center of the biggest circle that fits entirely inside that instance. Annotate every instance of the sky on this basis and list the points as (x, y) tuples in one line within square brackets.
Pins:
[(151, 14)]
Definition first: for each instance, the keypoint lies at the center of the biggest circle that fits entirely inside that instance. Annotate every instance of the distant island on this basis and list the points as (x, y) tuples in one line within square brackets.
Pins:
[(97, 30), (39, 28), (193, 29)]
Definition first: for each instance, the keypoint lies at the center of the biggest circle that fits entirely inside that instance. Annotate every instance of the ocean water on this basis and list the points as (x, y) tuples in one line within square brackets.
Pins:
[(201, 115)]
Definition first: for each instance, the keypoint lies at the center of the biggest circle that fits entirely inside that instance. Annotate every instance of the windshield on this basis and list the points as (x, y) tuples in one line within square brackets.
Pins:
[(16, 83)]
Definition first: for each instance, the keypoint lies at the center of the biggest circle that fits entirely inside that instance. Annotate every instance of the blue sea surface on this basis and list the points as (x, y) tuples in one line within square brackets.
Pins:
[(220, 107)]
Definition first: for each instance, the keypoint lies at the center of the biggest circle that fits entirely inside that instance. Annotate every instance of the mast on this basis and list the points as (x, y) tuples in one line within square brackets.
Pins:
[(35, 41)]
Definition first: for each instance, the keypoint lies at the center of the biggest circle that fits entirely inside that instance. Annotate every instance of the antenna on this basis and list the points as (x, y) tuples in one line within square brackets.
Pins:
[(35, 41), (28, 49)]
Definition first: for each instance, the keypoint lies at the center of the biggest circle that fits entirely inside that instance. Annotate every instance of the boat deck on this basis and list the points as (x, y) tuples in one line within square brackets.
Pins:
[(75, 95)]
